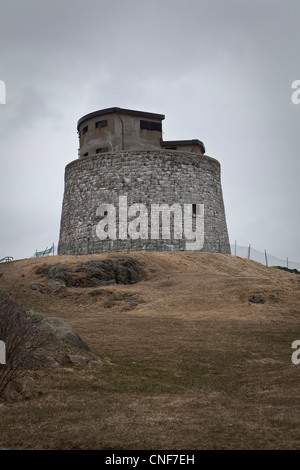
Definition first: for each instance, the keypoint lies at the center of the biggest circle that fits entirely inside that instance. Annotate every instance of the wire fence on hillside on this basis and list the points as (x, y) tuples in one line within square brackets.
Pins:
[(247, 252), (265, 258)]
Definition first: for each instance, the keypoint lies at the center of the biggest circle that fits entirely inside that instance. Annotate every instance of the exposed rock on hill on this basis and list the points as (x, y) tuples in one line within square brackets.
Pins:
[(58, 328), (121, 270)]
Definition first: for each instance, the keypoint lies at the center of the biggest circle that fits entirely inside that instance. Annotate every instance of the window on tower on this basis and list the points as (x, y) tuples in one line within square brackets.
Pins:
[(150, 125), (100, 124), (102, 150)]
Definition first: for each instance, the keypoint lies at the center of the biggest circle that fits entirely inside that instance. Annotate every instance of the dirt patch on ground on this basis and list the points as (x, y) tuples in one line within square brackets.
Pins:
[(196, 355)]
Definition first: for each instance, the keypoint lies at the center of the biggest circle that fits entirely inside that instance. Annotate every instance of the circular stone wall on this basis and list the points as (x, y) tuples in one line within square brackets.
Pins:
[(144, 177)]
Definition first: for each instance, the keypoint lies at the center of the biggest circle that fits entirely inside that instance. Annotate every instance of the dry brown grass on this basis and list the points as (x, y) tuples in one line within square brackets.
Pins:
[(191, 365)]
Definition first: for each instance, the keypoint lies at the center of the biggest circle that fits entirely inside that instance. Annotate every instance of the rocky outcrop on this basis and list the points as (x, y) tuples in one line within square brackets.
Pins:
[(120, 270), (59, 329), (33, 340)]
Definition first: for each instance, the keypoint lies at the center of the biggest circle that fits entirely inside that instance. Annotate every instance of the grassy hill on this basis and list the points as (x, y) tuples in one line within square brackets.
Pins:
[(195, 356)]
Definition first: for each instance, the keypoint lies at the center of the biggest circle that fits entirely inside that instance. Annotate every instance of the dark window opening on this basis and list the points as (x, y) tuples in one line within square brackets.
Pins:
[(105, 213), (85, 129), (171, 148), (102, 150), (150, 125), (194, 209), (100, 124), (85, 154)]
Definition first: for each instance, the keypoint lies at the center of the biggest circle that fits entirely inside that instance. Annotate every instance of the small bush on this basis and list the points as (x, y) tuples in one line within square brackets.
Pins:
[(26, 340)]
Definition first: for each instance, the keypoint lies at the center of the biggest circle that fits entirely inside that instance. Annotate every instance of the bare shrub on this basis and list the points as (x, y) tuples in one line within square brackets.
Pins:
[(26, 340)]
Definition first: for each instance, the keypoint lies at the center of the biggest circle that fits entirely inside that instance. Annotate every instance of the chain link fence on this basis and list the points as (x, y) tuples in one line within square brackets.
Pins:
[(265, 258), (247, 252)]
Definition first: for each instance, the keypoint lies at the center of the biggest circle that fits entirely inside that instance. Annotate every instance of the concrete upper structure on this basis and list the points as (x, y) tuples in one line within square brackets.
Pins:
[(114, 129), (194, 146)]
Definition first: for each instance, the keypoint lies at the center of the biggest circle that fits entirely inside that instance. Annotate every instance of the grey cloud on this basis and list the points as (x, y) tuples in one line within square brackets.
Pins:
[(219, 71)]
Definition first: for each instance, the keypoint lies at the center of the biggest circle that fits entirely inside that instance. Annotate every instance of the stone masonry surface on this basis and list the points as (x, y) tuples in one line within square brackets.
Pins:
[(147, 177)]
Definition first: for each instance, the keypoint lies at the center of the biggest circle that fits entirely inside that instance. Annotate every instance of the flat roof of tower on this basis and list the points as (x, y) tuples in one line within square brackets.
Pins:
[(100, 112)]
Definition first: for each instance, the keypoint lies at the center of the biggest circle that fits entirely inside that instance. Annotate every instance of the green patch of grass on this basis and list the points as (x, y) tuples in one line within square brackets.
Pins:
[(139, 377)]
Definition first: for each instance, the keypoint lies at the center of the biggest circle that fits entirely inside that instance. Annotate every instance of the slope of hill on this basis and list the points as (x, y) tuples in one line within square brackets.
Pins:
[(197, 355)]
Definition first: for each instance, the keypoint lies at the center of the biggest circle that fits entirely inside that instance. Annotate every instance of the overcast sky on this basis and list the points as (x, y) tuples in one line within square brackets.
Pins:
[(219, 70)]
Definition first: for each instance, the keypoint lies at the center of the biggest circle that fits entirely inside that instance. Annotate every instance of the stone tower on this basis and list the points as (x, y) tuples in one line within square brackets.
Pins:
[(131, 191)]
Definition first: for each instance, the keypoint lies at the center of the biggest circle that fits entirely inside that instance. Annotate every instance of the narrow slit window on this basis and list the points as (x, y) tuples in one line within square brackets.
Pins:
[(85, 129), (150, 125), (102, 150), (100, 124), (194, 209), (85, 154)]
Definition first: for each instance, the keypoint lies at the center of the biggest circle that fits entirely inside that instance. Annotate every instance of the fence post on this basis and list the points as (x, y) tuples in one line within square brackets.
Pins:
[(266, 258), (249, 251), (287, 262), (235, 248)]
